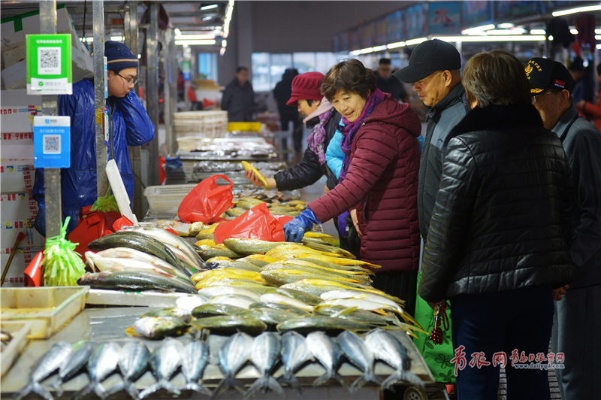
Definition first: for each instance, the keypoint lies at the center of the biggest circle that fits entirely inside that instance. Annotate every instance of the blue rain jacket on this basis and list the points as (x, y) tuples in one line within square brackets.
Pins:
[(129, 125)]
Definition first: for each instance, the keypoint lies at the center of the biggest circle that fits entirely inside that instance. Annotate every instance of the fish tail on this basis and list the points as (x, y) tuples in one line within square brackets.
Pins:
[(25, 391), (228, 382), (85, 391), (254, 388), (134, 393), (197, 388), (58, 387), (162, 384), (150, 390), (117, 388), (274, 385), (289, 379), (412, 378), (100, 391), (340, 379)]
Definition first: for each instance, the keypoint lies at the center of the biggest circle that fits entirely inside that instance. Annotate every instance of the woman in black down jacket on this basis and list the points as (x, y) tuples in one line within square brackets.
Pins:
[(498, 240)]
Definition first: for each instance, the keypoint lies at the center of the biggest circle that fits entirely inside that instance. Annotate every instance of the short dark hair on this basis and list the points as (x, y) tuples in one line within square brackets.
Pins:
[(384, 61), (241, 69), (496, 78), (349, 76)]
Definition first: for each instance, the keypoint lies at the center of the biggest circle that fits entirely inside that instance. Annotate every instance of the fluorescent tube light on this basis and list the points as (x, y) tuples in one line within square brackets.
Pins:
[(577, 10)]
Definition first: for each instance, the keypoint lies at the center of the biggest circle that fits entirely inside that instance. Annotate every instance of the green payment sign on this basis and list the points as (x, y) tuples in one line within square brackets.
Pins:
[(49, 68)]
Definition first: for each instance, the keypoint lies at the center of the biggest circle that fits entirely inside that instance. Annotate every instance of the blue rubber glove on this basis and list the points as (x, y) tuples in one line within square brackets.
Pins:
[(295, 229)]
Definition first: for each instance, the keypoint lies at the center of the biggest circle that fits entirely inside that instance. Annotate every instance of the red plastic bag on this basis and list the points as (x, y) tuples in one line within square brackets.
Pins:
[(207, 201), (256, 223), (91, 226)]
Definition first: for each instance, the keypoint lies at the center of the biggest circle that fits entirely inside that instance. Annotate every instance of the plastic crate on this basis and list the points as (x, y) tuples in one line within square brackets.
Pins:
[(166, 197)]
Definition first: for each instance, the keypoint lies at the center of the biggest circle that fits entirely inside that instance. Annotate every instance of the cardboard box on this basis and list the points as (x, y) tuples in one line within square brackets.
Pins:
[(12, 54)]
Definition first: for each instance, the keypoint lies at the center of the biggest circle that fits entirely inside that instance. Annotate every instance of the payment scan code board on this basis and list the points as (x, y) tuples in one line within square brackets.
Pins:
[(49, 68), (51, 142)]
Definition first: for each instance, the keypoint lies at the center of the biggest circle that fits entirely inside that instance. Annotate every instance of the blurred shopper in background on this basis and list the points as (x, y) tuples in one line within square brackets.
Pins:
[(378, 180), (130, 126), (281, 93), (589, 109), (577, 326), (498, 239), (583, 82), (239, 97), (388, 83)]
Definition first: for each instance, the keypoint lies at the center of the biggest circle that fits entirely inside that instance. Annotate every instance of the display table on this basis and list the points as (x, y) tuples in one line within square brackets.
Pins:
[(109, 324)]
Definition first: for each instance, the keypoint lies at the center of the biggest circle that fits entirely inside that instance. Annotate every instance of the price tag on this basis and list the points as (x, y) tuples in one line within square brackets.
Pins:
[(51, 142)]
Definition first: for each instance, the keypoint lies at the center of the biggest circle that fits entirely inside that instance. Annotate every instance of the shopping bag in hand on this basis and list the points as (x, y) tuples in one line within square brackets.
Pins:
[(256, 223), (207, 201)]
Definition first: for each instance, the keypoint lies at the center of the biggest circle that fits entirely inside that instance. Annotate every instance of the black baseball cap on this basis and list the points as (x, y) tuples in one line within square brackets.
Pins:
[(428, 57), (545, 74)]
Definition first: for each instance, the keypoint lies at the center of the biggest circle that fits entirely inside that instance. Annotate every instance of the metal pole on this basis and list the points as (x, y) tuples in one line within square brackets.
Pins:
[(152, 91), (99, 100), (170, 89), (52, 176), (130, 20)]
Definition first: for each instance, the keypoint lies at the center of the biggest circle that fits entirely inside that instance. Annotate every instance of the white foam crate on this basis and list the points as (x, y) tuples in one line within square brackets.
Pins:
[(166, 197)]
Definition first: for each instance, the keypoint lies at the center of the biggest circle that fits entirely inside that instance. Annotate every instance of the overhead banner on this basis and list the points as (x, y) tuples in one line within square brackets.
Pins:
[(444, 17), (49, 64)]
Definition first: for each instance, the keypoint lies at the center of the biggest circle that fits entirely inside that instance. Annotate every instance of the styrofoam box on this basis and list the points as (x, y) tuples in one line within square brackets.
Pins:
[(47, 308), (30, 23), (18, 331), (166, 197), (16, 206), (15, 175)]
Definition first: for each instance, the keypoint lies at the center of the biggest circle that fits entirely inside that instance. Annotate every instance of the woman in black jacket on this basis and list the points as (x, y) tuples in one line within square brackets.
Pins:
[(498, 238)]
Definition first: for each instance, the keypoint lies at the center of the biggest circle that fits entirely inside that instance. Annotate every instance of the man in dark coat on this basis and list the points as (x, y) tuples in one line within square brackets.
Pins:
[(281, 93), (239, 97), (577, 326), (387, 83)]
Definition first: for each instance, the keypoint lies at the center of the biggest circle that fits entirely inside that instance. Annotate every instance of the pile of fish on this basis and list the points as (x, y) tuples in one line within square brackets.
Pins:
[(290, 207), (142, 258), (277, 358)]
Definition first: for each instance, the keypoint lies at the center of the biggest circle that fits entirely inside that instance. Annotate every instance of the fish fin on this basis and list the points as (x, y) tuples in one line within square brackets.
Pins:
[(362, 380), (274, 385), (162, 384), (150, 390), (228, 382), (322, 379), (412, 378), (340, 379)]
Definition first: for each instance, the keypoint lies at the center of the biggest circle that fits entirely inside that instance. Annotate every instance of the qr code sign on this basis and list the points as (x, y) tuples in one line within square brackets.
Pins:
[(52, 144), (49, 60)]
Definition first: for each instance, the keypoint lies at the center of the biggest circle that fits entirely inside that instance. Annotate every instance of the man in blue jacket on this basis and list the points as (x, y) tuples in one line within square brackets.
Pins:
[(129, 125)]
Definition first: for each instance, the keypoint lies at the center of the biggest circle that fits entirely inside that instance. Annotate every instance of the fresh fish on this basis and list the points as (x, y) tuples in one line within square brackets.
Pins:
[(212, 310), (317, 286), (233, 355), (228, 324), (95, 260), (370, 305), (327, 248), (133, 363), (158, 327), (357, 352), (53, 360), (195, 358), (101, 364), (372, 296), (389, 349), (305, 297), (294, 354), (289, 274), (270, 316), (175, 312), (308, 323), (76, 362), (137, 241), (218, 250), (164, 361), (180, 247), (228, 290), (189, 302), (240, 264), (135, 281), (285, 300), (363, 316), (279, 306), (265, 353), (227, 273), (327, 352), (235, 300), (260, 260), (247, 247)]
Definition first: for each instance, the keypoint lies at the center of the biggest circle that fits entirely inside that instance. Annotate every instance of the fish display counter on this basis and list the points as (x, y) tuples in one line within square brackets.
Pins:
[(124, 367)]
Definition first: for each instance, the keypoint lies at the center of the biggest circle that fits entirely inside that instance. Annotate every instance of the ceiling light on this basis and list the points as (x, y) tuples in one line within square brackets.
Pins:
[(208, 7), (477, 30), (412, 42), (513, 31), (501, 38), (576, 10), (573, 31), (505, 25), (538, 32), (177, 32), (195, 42)]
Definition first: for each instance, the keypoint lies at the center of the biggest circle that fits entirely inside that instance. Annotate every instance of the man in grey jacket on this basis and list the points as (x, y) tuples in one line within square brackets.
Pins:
[(434, 71), (577, 326)]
